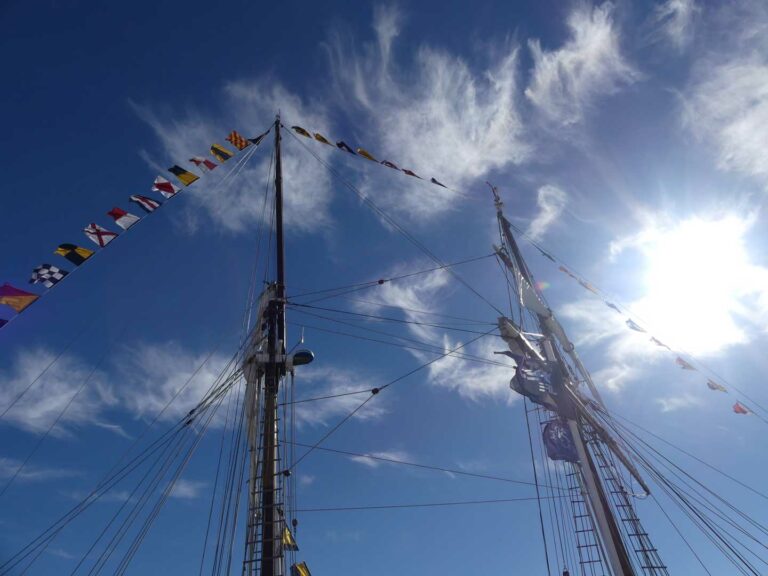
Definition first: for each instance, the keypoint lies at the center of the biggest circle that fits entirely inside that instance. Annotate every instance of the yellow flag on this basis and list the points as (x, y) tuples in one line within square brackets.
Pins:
[(221, 153), (185, 176), (365, 154), (288, 541), (320, 138), (300, 569)]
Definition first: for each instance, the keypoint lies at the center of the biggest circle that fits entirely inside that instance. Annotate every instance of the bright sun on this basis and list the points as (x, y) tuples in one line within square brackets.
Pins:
[(697, 273)]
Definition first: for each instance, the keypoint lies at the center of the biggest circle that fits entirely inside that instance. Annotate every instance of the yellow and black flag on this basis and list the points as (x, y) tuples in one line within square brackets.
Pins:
[(73, 253), (300, 569), (289, 543), (221, 153), (185, 176), (237, 140), (300, 130)]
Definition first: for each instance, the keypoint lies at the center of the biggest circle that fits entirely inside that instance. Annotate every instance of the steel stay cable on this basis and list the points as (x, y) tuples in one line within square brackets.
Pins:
[(674, 469), (58, 418), (374, 394), (712, 532), (115, 474), (416, 311), (388, 318), (423, 505), (417, 465), (627, 309), (394, 223), (169, 488), (426, 347), (694, 457), (383, 280), (97, 252)]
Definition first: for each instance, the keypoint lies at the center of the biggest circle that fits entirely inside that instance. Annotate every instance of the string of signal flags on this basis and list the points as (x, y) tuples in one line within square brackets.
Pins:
[(49, 275), (682, 363)]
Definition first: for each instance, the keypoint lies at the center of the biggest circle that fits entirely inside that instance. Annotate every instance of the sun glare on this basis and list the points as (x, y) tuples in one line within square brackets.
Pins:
[(696, 274)]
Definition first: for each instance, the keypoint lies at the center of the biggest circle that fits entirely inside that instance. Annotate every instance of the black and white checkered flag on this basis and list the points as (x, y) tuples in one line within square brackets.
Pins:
[(47, 275)]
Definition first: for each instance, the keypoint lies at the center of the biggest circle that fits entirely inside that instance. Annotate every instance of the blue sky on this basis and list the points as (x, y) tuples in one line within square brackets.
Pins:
[(627, 138)]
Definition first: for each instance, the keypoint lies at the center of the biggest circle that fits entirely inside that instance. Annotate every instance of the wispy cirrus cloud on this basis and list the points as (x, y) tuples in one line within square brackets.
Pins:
[(674, 22), (551, 202), (32, 473), (317, 381), (566, 82), (237, 204), (152, 374), (187, 489), (435, 114), (454, 371), (725, 105), (384, 455), (46, 386)]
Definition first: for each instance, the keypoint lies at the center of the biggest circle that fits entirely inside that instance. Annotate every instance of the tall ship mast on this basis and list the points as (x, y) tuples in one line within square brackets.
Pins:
[(592, 476)]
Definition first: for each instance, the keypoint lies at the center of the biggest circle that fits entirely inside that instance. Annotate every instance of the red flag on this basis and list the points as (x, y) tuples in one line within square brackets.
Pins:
[(740, 409)]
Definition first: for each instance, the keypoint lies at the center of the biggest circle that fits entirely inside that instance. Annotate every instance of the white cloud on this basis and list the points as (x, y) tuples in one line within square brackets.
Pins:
[(675, 21), (187, 489), (566, 82), (727, 106), (683, 301), (596, 325), (551, 201), (681, 402), (39, 407), (386, 454), (151, 374), (435, 116), (31, 473), (470, 379), (237, 203), (315, 381), (726, 102)]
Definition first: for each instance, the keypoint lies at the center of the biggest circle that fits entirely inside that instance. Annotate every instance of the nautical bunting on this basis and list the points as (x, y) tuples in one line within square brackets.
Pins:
[(588, 286), (365, 154), (99, 235), (289, 543), (122, 218), (257, 140), (389, 164), (203, 163), (237, 140), (611, 305), (320, 138), (165, 187), (221, 153), (438, 183), (343, 146), (185, 176), (634, 325), (15, 298), (412, 173), (74, 254), (300, 569), (145, 203), (712, 385), (660, 343), (47, 275), (300, 130), (683, 364), (739, 408)]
